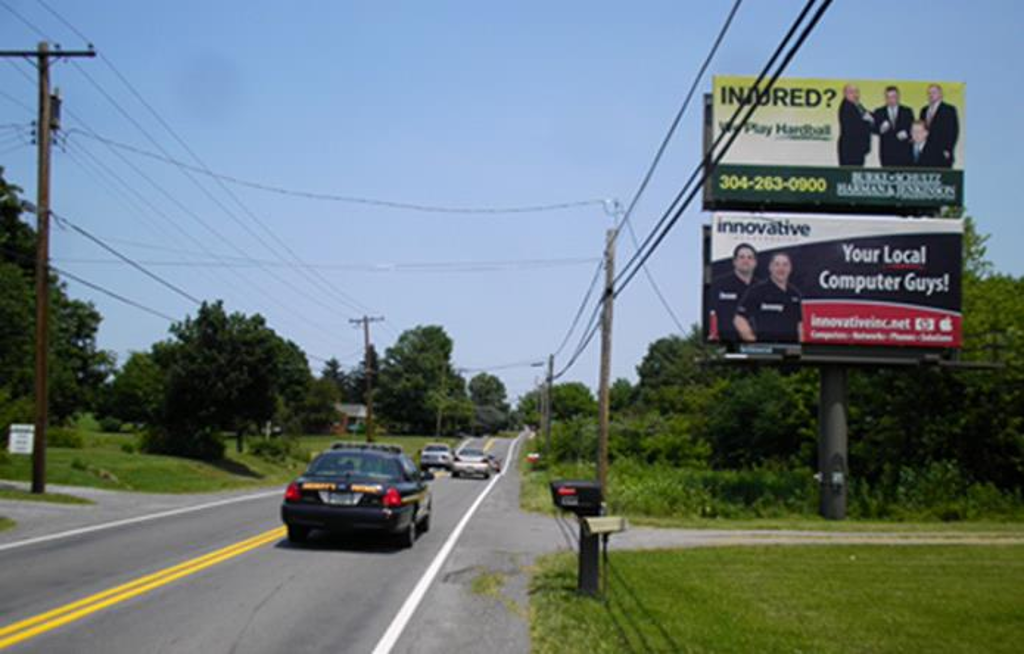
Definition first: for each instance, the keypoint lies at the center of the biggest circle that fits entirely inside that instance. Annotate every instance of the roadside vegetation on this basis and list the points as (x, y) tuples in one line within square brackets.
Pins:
[(786, 599), (697, 443), (6, 523)]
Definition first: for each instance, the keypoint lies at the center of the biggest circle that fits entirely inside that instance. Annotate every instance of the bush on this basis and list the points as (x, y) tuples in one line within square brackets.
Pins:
[(64, 437), (129, 448), (198, 443), (110, 425), (275, 450)]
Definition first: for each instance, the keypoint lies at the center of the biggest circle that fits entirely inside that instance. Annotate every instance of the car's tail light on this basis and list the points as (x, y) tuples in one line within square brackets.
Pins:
[(566, 490), (293, 493), (392, 499)]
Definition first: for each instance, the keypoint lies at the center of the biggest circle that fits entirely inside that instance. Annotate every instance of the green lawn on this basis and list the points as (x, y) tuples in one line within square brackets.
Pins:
[(6, 523), (112, 461), (56, 498), (787, 599)]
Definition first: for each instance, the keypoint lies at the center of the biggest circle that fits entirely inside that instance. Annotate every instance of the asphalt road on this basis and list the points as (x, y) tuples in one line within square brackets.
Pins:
[(329, 595)]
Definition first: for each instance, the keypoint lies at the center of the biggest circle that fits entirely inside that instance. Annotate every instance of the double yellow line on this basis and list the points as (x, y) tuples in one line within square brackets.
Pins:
[(31, 627)]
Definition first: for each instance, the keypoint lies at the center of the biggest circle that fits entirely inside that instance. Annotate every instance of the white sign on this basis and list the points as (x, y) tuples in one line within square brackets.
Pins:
[(22, 437)]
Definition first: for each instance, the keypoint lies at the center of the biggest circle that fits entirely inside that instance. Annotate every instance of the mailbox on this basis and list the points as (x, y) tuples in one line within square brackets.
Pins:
[(581, 497)]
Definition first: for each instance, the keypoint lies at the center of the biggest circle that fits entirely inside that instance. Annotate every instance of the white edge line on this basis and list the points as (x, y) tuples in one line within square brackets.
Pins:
[(135, 520), (398, 624)]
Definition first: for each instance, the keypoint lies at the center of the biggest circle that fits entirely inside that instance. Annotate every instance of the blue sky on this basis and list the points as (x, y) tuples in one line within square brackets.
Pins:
[(456, 104)]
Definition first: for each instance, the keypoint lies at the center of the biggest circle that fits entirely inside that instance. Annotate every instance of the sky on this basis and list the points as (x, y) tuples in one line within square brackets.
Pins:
[(459, 104)]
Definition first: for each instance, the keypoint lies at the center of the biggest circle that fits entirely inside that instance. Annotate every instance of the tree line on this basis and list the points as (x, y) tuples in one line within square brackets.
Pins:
[(958, 428)]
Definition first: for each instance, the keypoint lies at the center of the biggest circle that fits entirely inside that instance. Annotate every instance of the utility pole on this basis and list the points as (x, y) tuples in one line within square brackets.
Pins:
[(603, 406), (47, 121), (367, 370), (547, 403)]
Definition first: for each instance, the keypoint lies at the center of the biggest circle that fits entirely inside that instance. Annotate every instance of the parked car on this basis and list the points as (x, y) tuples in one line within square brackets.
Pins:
[(359, 487), (471, 462), (436, 455)]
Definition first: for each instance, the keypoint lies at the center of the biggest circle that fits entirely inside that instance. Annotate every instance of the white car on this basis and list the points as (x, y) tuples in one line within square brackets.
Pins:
[(470, 461), (436, 455)]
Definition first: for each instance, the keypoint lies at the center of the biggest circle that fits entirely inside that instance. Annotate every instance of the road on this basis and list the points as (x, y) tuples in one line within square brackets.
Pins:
[(331, 594)]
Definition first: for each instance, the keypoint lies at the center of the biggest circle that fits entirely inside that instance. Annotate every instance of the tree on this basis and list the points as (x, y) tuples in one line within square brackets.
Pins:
[(490, 403), (316, 412), (224, 372), (621, 395), (136, 393), (77, 367), (416, 379), (571, 400)]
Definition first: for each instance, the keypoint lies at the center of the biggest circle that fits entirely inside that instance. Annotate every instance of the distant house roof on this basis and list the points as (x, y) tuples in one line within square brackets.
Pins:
[(352, 410)]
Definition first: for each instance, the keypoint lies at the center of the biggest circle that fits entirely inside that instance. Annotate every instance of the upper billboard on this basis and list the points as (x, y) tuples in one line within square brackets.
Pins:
[(840, 144), (822, 280)]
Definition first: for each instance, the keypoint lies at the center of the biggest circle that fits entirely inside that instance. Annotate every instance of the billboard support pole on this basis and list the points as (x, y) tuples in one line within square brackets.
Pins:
[(833, 471)]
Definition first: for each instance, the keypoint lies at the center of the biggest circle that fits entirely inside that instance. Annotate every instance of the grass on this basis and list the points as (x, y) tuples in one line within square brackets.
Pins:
[(488, 584), (6, 523), (56, 498), (112, 461), (787, 599)]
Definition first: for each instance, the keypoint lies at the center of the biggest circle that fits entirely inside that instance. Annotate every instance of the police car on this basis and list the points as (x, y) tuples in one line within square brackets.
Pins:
[(356, 487)]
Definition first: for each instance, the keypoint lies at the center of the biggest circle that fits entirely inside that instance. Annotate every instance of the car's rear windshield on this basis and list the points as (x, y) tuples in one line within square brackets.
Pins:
[(356, 464), (469, 452), (435, 448)]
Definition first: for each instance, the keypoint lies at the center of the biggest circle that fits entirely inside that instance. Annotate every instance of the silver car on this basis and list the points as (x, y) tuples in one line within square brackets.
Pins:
[(470, 461), (436, 455)]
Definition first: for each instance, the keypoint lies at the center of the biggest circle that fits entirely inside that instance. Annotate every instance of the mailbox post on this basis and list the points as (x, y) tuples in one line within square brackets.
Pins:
[(584, 498)]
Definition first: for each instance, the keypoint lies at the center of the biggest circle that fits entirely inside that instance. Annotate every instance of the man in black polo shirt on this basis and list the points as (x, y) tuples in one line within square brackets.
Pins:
[(727, 290), (770, 310)]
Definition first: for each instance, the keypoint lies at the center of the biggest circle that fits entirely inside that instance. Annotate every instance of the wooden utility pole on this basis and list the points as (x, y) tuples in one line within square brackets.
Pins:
[(608, 298), (47, 121), (547, 403), (367, 370)]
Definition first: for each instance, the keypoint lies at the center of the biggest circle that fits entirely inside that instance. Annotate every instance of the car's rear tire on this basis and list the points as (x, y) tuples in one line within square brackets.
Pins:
[(408, 537), (425, 522), (297, 534)]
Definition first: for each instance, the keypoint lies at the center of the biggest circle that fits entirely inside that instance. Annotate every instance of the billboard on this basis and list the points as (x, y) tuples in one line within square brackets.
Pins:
[(823, 280), (840, 144)]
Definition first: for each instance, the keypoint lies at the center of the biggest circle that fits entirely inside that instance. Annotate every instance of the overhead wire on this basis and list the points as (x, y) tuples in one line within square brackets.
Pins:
[(343, 298), (350, 199), (710, 162), (66, 222), (588, 333), (707, 164), (93, 285)]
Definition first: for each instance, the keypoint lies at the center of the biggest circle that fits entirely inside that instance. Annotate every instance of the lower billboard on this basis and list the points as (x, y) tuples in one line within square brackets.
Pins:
[(833, 280)]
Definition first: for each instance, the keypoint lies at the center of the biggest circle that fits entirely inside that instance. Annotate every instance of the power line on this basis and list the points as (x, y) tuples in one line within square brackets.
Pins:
[(349, 199), (102, 289), (379, 268), (661, 151), (112, 294), (344, 299), (708, 164), (680, 113), (644, 182), (63, 221)]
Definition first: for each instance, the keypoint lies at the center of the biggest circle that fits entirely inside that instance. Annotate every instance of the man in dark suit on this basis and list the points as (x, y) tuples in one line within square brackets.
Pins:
[(924, 153), (943, 124), (855, 125), (892, 124)]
